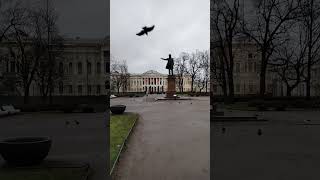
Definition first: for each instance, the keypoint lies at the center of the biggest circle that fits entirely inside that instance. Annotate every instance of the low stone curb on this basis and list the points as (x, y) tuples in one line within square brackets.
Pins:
[(123, 144)]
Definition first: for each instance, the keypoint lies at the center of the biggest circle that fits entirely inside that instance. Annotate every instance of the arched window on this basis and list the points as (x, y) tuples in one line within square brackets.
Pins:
[(98, 89), (61, 68), (98, 68), (60, 87), (89, 67), (79, 68), (107, 67), (107, 85), (12, 66), (70, 68), (79, 89), (89, 89)]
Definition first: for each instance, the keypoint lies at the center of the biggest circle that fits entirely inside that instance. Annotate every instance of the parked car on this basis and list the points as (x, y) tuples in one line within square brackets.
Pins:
[(3, 112), (10, 109)]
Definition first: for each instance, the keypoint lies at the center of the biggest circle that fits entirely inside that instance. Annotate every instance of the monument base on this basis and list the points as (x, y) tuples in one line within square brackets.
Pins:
[(171, 88)]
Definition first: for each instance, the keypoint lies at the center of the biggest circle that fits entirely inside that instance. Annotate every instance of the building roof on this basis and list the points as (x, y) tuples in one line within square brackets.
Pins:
[(153, 72)]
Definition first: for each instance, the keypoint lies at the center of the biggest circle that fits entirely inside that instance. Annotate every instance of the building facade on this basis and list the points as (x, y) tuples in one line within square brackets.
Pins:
[(246, 74), (83, 65), (153, 82)]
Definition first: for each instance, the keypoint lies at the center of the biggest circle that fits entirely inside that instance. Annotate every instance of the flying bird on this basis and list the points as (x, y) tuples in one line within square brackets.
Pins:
[(145, 30)]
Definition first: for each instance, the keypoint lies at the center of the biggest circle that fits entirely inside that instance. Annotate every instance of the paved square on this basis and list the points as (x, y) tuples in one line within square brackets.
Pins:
[(285, 150), (171, 140)]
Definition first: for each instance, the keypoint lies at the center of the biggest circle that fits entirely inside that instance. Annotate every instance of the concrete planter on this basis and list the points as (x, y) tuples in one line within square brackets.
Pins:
[(118, 109), (25, 151)]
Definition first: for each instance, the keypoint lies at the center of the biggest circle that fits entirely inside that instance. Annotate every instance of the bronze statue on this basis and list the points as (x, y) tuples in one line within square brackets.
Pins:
[(170, 64)]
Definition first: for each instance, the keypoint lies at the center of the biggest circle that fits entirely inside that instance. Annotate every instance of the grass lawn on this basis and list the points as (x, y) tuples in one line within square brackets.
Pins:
[(120, 126), (44, 173)]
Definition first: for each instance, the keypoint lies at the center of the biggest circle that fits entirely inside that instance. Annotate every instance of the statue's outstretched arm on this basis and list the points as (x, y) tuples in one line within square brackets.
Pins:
[(164, 59)]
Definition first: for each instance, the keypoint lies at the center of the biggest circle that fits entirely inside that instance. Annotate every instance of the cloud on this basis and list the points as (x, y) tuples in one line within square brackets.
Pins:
[(180, 25), (87, 19)]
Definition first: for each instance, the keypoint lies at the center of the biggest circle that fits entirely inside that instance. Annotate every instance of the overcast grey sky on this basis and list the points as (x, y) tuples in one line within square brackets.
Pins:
[(180, 26), (84, 18)]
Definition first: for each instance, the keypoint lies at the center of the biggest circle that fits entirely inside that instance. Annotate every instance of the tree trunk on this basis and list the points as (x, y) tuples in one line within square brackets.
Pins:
[(192, 80), (289, 90), (26, 95), (231, 87), (263, 76), (310, 45)]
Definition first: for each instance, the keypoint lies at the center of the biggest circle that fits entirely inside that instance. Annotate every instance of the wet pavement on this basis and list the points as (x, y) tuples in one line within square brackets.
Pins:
[(287, 148), (170, 141), (85, 142)]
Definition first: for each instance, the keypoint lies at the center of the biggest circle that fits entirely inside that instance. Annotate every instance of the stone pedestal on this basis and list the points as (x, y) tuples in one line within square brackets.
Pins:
[(171, 88)]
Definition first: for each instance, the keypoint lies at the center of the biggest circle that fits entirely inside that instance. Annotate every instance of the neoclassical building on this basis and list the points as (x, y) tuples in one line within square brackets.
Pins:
[(247, 74), (84, 65), (153, 82)]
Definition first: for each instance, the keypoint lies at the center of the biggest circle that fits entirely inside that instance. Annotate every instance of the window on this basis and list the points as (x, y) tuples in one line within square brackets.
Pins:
[(70, 68), (79, 68), (60, 88), (98, 68), (89, 89), (70, 89), (106, 54), (12, 66), (238, 88), (98, 89), (107, 85), (79, 89), (250, 67), (7, 65), (245, 67), (107, 67), (61, 68), (18, 68), (89, 67), (254, 67), (215, 89), (250, 55), (250, 87), (238, 67)]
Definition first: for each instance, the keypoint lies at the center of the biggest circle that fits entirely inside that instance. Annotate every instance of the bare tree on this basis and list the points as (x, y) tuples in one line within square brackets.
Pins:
[(273, 18), (218, 73), (194, 67), (119, 75), (205, 66), (19, 47), (311, 21), (51, 43), (200, 82), (9, 16), (289, 62), (225, 22), (181, 68)]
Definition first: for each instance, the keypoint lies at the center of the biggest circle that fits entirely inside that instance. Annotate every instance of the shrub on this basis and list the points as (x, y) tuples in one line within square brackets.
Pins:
[(68, 108), (88, 109)]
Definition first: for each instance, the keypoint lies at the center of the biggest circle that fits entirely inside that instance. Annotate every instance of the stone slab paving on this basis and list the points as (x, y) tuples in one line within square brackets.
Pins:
[(170, 141)]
